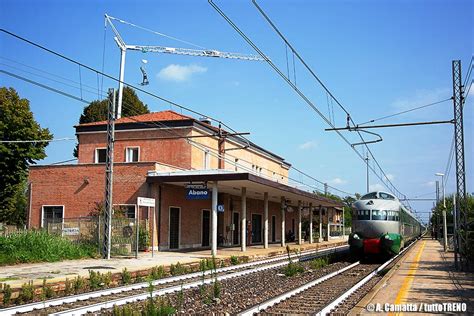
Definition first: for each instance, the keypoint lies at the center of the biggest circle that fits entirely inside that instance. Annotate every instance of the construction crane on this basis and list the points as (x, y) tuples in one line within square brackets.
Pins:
[(161, 49)]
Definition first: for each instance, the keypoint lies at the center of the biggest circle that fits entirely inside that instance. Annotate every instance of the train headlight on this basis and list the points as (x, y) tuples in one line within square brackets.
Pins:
[(387, 237), (355, 236)]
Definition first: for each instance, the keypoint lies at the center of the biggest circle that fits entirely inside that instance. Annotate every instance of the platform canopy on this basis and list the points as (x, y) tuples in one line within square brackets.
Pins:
[(232, 183)]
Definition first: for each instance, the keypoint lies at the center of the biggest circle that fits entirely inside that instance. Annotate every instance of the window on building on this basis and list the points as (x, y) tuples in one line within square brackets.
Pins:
[(207, 159), (100, 155), (132, 154), (52, 215), (127, 211)]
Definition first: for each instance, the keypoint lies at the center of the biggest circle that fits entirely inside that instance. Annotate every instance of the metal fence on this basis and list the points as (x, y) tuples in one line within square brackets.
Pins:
[(124, 241)]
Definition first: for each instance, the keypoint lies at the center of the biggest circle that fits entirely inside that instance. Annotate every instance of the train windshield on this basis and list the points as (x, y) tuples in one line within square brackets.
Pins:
[(378, 215), (386, 196), (369, 196), (363, 215)]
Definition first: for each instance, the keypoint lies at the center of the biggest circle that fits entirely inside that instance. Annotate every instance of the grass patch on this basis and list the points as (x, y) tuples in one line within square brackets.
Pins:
[(292, 269), (39, 246), (319, 263)]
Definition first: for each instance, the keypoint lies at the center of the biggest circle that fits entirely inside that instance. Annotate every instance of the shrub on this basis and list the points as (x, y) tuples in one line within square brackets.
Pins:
[(292, 269), (27, 293), (46, 291), (178, 269), (78, 284), (40, 246), (319, 263), (95, 280), (126, 276), (157, 272), (67, 287), (107, 279), (143, 238), (216, 289), (7, 294), (234, 260)]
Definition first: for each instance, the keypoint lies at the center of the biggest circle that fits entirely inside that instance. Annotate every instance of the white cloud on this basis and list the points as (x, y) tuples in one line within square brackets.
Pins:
[(308, 145), (421, 97), (390, 176), (376, 187), (180, 73), (337, 181)]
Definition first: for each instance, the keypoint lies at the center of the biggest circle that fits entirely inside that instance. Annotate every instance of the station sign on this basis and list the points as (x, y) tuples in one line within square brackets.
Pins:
[(197, 194), (144, 201), (196, 186)]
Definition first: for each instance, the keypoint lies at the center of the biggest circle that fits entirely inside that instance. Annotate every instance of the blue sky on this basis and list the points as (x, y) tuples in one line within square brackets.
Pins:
[(377, 57)]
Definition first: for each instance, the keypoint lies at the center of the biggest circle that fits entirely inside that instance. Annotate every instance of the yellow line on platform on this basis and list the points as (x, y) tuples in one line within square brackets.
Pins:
[(402, 293)]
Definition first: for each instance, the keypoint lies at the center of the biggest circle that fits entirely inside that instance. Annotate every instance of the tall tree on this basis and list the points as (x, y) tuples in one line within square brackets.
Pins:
[(97, 110), (131, 105), (17, 123)]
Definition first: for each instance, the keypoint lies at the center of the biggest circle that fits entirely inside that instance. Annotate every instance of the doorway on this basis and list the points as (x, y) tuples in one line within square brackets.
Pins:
[(256, 228), (174, 227), (235, 233), (206, 228), (273, 228)]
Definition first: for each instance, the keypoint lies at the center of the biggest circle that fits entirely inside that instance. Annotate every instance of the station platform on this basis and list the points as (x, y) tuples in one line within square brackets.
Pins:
[(424, 281), (16, 275)]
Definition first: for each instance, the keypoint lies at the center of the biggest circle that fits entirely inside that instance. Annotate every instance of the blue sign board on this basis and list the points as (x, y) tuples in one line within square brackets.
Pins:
[(197, 194)]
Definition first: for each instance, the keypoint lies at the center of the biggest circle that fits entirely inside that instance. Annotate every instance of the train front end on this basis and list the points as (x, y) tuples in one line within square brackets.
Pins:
[(375, 225)]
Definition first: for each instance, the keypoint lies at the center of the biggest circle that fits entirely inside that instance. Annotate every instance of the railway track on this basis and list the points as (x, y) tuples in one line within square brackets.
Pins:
[(335, 292), (103, 299)]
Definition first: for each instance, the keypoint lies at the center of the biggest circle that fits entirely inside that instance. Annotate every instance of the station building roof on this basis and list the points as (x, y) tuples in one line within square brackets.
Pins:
[(232, 182)]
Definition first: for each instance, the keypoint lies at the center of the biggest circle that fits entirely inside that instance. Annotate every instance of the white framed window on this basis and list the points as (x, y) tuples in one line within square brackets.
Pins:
[(132, 154), (51, 214), (100, 155)]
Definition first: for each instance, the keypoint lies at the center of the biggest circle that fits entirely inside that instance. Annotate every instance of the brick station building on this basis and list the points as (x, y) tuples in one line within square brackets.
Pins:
[(174, 158)]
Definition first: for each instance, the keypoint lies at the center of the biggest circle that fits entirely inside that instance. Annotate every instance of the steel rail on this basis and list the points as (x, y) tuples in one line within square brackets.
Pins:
[(143, 285), (139, 297), (327, 310), (296, 291)]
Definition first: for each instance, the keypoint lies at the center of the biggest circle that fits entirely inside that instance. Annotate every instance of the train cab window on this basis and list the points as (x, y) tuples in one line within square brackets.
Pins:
[(369, 196), (363, 215), (379, 215), (386, 196)]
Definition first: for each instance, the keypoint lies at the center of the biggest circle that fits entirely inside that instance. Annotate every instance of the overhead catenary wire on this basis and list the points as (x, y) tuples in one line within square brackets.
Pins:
[(109, 77), (390, 184), (37, 140), (158, 124), (406, 111), (301, 94)]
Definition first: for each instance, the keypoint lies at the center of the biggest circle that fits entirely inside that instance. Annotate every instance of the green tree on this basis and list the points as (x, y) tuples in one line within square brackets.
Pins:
[(97, 110), (17, 123)]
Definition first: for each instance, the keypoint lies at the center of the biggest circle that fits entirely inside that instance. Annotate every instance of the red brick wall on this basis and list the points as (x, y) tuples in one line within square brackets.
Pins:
[(176, 152), (80, 187)]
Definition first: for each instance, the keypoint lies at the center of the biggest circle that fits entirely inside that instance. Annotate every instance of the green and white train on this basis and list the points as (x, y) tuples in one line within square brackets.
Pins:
[(381, 225)]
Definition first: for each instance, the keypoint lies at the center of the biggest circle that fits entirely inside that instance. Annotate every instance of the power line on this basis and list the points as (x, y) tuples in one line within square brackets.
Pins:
[(301, 94), (316, 77), (159, 124), (36, 140), (406, 111)]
